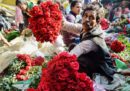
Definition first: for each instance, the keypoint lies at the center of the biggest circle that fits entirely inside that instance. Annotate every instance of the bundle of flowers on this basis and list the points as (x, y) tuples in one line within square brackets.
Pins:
[(22, 68), (126, 52), (117, 46), (116, 56), (37, 61), (62, 74), (45, 22), (104, 24), (22, 73)]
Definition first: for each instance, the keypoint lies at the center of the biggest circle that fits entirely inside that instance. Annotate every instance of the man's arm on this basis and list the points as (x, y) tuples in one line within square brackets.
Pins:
[(83, 47), (4, 40), (71, 27)]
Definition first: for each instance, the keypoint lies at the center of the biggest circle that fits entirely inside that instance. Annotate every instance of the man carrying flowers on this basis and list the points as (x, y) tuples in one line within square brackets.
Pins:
[(92, 52)]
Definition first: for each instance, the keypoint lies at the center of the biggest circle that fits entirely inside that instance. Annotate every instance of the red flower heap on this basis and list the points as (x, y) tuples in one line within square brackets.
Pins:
[(37, 61), (62, 74), (104, 24), (113, 55), (45, 22), (28, 60), (117, 46)]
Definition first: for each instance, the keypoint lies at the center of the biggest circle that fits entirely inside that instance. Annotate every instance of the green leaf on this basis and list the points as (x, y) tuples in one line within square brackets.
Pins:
[(120, 64)]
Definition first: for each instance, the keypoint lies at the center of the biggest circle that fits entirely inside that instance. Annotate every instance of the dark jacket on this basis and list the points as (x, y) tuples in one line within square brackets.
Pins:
[(96, 61)]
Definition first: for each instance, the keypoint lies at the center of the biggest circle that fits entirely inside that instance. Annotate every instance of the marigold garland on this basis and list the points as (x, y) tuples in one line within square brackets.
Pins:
[(45, 22)]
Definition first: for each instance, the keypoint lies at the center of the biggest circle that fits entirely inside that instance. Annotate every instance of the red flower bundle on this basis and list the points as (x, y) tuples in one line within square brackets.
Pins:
[(62, 74), (37, 61), (104, 24), (45, 22), (117, 46), (113, 55), (28, 60)]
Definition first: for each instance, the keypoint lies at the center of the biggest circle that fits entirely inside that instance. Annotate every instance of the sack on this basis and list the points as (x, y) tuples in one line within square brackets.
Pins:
[(104, 82)]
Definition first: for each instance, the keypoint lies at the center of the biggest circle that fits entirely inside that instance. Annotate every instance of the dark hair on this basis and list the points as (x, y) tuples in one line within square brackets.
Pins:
[(88, 8), (97, 7), (73, 3), (70, 1), (39, 1), (18, 2)]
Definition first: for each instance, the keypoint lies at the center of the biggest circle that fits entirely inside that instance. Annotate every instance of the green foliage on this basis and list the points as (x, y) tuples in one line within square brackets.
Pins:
[(9, 75), (35, 73), (126, 53), (12, 35)]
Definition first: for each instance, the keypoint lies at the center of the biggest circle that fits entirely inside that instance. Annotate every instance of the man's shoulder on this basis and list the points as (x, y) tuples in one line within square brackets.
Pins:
[(70, 15), (70, 18)]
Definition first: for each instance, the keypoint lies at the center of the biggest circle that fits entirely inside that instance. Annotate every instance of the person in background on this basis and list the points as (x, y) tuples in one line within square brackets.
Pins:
[(118, 13), (19, 16), (75, 10), (25, 7), (69, 38)]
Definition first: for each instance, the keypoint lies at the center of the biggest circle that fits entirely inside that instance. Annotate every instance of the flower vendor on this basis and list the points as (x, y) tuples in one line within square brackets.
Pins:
[(92, 52)]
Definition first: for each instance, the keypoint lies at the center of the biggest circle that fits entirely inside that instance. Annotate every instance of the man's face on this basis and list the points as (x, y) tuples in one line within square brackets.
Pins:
[(89, 20), (76, 9)]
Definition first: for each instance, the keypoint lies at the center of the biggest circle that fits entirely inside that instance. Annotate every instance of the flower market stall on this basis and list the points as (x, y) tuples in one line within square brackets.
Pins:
[(38, 60)]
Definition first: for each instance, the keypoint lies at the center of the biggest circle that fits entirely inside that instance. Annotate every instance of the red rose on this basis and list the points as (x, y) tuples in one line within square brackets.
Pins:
[(82, 84), (18, 76), (59, 75), (36, 11), (21, 56), (74, 65), (22, 72), (31, 89), (45, 26), (27, 67), (117, 46), (38, 61), (82, 76), (63, 74), (54, 7), (25, 78), (104, 24)]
